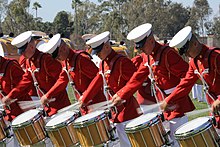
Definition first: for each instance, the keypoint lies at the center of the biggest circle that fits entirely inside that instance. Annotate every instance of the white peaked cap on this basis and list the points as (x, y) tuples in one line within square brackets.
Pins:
[(41, 46), (98, 39), (52, 44), (22, 39), (180, 39), (87, 37), (140, 32)]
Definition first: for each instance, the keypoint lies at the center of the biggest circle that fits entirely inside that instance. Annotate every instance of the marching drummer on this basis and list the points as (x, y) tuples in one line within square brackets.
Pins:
[(204, 65), (44, 72), (165, 67), (77, 64), (10, 75), (114, 72)]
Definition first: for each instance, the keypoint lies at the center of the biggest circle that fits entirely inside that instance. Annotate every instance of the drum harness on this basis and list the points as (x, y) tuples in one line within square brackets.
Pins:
[(206, 71), (107, 92)]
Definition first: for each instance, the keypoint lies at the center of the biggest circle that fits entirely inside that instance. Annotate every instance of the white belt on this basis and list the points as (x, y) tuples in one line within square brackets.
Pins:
[(169, 91)]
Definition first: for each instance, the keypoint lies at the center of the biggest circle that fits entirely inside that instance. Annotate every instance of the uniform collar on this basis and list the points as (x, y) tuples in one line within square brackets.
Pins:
[(157, 46), (110, 56), (71, 54), (36, 53), (202, 52)]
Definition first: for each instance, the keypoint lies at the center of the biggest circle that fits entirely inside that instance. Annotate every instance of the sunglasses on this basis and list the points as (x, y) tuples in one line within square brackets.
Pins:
[(98, 49), (184, 48), (140, 44), (55, 53), (22, 49)]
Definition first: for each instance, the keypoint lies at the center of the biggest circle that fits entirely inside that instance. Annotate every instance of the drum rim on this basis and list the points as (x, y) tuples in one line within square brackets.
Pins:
[(28, 122), (62, 124), (90, 121), (69, 107), (142, 126), (191, 133)]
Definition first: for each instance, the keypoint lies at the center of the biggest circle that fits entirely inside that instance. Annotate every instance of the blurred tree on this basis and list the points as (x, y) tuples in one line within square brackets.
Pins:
[(17, 18), (200, 13), (36, 6), (216, 27), (75, 4), (3, 8), (62, 24)]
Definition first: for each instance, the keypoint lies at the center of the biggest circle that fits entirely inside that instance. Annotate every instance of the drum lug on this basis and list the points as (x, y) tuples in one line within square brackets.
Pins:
[(112, 133)]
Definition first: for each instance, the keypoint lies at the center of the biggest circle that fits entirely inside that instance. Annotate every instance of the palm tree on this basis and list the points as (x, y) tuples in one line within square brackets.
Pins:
[(75, 4), (36, 5)]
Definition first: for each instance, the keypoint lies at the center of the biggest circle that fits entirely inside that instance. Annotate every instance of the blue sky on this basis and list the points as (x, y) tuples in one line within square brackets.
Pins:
[(51, 7)]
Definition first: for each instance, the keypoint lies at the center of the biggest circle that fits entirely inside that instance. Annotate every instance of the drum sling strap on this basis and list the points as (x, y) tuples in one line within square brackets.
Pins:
[(38, 67), (207, 68), (154, 87), (74, 61)]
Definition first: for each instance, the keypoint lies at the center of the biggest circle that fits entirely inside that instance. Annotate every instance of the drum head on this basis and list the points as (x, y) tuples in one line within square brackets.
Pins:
[(90, 118), (61, 119), (193, 126), (25, 118), (144, 120)]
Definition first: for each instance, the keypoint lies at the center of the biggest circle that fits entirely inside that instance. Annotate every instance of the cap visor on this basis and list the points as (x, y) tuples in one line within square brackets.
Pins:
[(94, 52)]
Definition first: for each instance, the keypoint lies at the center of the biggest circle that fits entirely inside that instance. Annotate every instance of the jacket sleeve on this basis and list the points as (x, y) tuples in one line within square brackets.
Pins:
[(135, 81), (184, 87), (54, 69), (93, 88)]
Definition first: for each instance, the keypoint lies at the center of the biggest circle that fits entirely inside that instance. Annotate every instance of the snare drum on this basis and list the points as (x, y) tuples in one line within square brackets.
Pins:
[(28, 127), (197, 133), (3, 128), (73, 107), (61, 131), (146, 130), (92, 129)]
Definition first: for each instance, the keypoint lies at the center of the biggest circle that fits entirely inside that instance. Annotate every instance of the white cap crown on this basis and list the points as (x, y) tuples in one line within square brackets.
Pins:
[(22, 39), (52, 44), (180, 39), (140, 32), (99, 39)]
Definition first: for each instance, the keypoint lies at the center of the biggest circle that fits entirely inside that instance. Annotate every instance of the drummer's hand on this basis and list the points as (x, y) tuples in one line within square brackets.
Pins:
[(116, 100), (163, 106), (6, 100), (44, 100), (216, 106), (166, 107)]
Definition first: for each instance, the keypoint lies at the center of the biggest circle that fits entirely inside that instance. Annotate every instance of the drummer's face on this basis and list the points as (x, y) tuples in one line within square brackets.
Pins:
[(62, 54)]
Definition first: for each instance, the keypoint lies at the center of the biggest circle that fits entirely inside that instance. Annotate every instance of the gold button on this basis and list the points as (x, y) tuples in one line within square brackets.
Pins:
[(200, 56), (155, 76), (152, 53), (201, 70)]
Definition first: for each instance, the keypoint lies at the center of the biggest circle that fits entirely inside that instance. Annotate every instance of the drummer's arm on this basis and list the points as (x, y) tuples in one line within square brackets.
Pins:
[(92, 90), (135, 80), (184, 87)]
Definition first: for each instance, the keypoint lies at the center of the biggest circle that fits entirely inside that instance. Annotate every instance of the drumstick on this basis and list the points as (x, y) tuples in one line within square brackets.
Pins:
[(72, 106), (12, 101), (32, 104), (197, 111), (98, 105), (104, 107)]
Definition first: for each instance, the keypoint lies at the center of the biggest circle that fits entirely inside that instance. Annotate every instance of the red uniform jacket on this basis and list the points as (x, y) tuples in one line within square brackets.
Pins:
[(22, 62), (83, 73), (50, 74), (167, 75), (212, 78), (9, 78), (144, 95), (117, 79)]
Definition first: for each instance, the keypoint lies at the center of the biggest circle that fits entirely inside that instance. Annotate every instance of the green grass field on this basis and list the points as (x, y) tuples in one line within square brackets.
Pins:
[(198, 105)]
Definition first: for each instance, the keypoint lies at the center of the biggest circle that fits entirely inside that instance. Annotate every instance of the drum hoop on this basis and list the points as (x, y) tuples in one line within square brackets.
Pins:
[(28, 122), (192, 133), (89, 122), (143, 126)]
